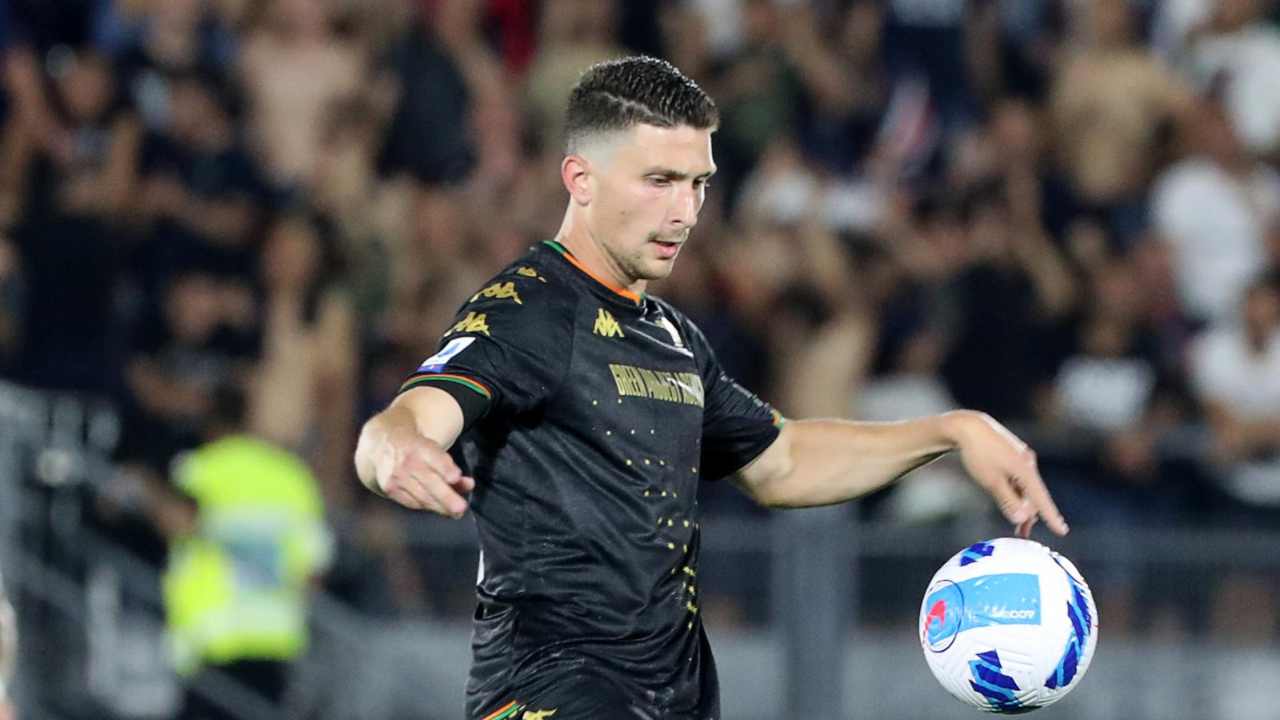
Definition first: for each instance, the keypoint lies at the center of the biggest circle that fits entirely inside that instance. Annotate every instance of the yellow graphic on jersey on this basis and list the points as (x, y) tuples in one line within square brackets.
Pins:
[(539, 715), (499, 291), (606, 325), (685, 388), (530, 273), (472, 323)]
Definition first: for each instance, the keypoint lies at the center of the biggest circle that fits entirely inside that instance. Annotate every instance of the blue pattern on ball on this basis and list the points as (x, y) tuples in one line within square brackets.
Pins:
[(990, 682), (1081, 626), (976, 552)]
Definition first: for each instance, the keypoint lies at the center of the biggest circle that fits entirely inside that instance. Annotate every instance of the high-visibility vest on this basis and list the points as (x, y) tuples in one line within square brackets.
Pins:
[(237, 588)]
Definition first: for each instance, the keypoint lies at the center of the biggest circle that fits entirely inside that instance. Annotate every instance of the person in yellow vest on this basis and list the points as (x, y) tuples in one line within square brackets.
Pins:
[(248, 539)]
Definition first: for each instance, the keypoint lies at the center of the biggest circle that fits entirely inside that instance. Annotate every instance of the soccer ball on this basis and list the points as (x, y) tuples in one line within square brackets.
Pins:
[(1008, 626)]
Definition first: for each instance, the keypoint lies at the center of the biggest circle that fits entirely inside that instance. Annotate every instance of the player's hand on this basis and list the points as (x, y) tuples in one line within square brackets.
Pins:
[(1006, 468), (420, 475)]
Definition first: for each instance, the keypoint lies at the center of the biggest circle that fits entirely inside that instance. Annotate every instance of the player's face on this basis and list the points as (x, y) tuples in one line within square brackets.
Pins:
[(648, 195)]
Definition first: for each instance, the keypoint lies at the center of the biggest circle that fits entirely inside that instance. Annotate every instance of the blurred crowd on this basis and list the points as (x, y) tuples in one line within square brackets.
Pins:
[(1063, 212)]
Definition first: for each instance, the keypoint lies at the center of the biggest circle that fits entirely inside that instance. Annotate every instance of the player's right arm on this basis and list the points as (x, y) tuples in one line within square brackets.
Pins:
[(502, 356), (403, 453)]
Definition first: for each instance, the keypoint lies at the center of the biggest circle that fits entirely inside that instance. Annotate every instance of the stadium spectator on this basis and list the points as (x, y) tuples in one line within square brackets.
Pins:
[(248, 540), (369, 214), (1235, 371), (926, 39), (1236, 47), (1215, 208), (189, 347), (293, 68), (1002, 259), (845, 80), (758, 94), (73, 195), (571, 35), (431, 136), (1110, 100), (201, 190), (155, 43), (304, 393), (34, 39), (911, 387)]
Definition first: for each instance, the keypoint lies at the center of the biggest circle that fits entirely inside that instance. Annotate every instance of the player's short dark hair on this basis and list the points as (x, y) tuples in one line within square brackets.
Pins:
[(619, 94)]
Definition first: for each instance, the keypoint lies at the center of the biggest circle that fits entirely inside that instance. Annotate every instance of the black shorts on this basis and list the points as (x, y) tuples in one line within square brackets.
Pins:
[(511, 684), (582, 694)]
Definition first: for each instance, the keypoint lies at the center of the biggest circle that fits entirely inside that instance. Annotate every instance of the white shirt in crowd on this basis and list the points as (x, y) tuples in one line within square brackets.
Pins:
[(1217, 226), (1248, 60), (1103, 393), (1225, 370), (938, 490)]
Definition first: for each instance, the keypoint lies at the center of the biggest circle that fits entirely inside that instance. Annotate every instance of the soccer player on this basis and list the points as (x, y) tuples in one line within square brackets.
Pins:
[(586, 413)]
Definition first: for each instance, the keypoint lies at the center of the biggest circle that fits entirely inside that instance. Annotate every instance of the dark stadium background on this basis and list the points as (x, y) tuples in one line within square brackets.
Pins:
[(1063, 212)]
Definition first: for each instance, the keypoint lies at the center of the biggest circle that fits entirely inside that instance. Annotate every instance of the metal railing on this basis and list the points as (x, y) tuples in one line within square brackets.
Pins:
[(822, 643)]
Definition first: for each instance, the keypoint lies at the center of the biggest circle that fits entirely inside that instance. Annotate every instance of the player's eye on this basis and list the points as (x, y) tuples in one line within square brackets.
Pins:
[(701, 184), (659, 180)]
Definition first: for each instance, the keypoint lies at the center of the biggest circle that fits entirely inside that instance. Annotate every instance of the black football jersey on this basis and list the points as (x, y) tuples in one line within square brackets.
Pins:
[(592, 415)]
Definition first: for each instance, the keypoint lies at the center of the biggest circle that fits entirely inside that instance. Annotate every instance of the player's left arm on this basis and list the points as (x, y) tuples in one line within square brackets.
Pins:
[(823, 462)]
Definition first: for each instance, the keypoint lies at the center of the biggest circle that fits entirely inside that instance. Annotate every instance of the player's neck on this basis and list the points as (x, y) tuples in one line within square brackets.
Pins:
[(576, 237)]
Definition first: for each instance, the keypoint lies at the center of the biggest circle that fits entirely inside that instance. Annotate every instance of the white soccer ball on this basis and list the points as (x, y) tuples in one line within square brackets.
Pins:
[(1008, 626)]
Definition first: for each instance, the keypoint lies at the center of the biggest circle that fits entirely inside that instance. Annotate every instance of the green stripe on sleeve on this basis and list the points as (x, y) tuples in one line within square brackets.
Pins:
[(469, 384)]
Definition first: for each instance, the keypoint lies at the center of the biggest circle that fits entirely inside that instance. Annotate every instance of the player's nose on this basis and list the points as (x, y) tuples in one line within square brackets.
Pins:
[(688, 202)]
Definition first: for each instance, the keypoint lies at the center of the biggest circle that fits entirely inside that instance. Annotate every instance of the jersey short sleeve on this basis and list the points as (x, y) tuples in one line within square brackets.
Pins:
[(737, 426), (503, 354)]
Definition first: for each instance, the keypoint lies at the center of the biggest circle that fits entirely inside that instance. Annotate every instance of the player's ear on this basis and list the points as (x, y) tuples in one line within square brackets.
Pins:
[(575, 172)]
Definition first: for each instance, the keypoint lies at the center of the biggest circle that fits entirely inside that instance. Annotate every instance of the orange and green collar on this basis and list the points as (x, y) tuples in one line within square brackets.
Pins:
[(505, 712), (564, 252)]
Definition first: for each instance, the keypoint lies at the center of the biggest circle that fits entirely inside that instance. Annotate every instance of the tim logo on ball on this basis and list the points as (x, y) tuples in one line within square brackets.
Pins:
[(945, 603), (950, 608)]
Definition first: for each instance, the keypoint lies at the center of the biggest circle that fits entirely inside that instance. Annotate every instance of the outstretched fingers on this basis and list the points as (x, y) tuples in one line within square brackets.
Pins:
[(1007, 498), (1024, 529), (1021, 495), (446, 500), (1006, 467), (1039, 502), (407, 495), (440, 479)]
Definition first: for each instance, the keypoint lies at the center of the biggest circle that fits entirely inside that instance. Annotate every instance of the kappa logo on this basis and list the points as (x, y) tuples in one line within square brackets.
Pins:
[(538, 714), (606, 325), (472, 323), (499, 291), (529, 272)]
